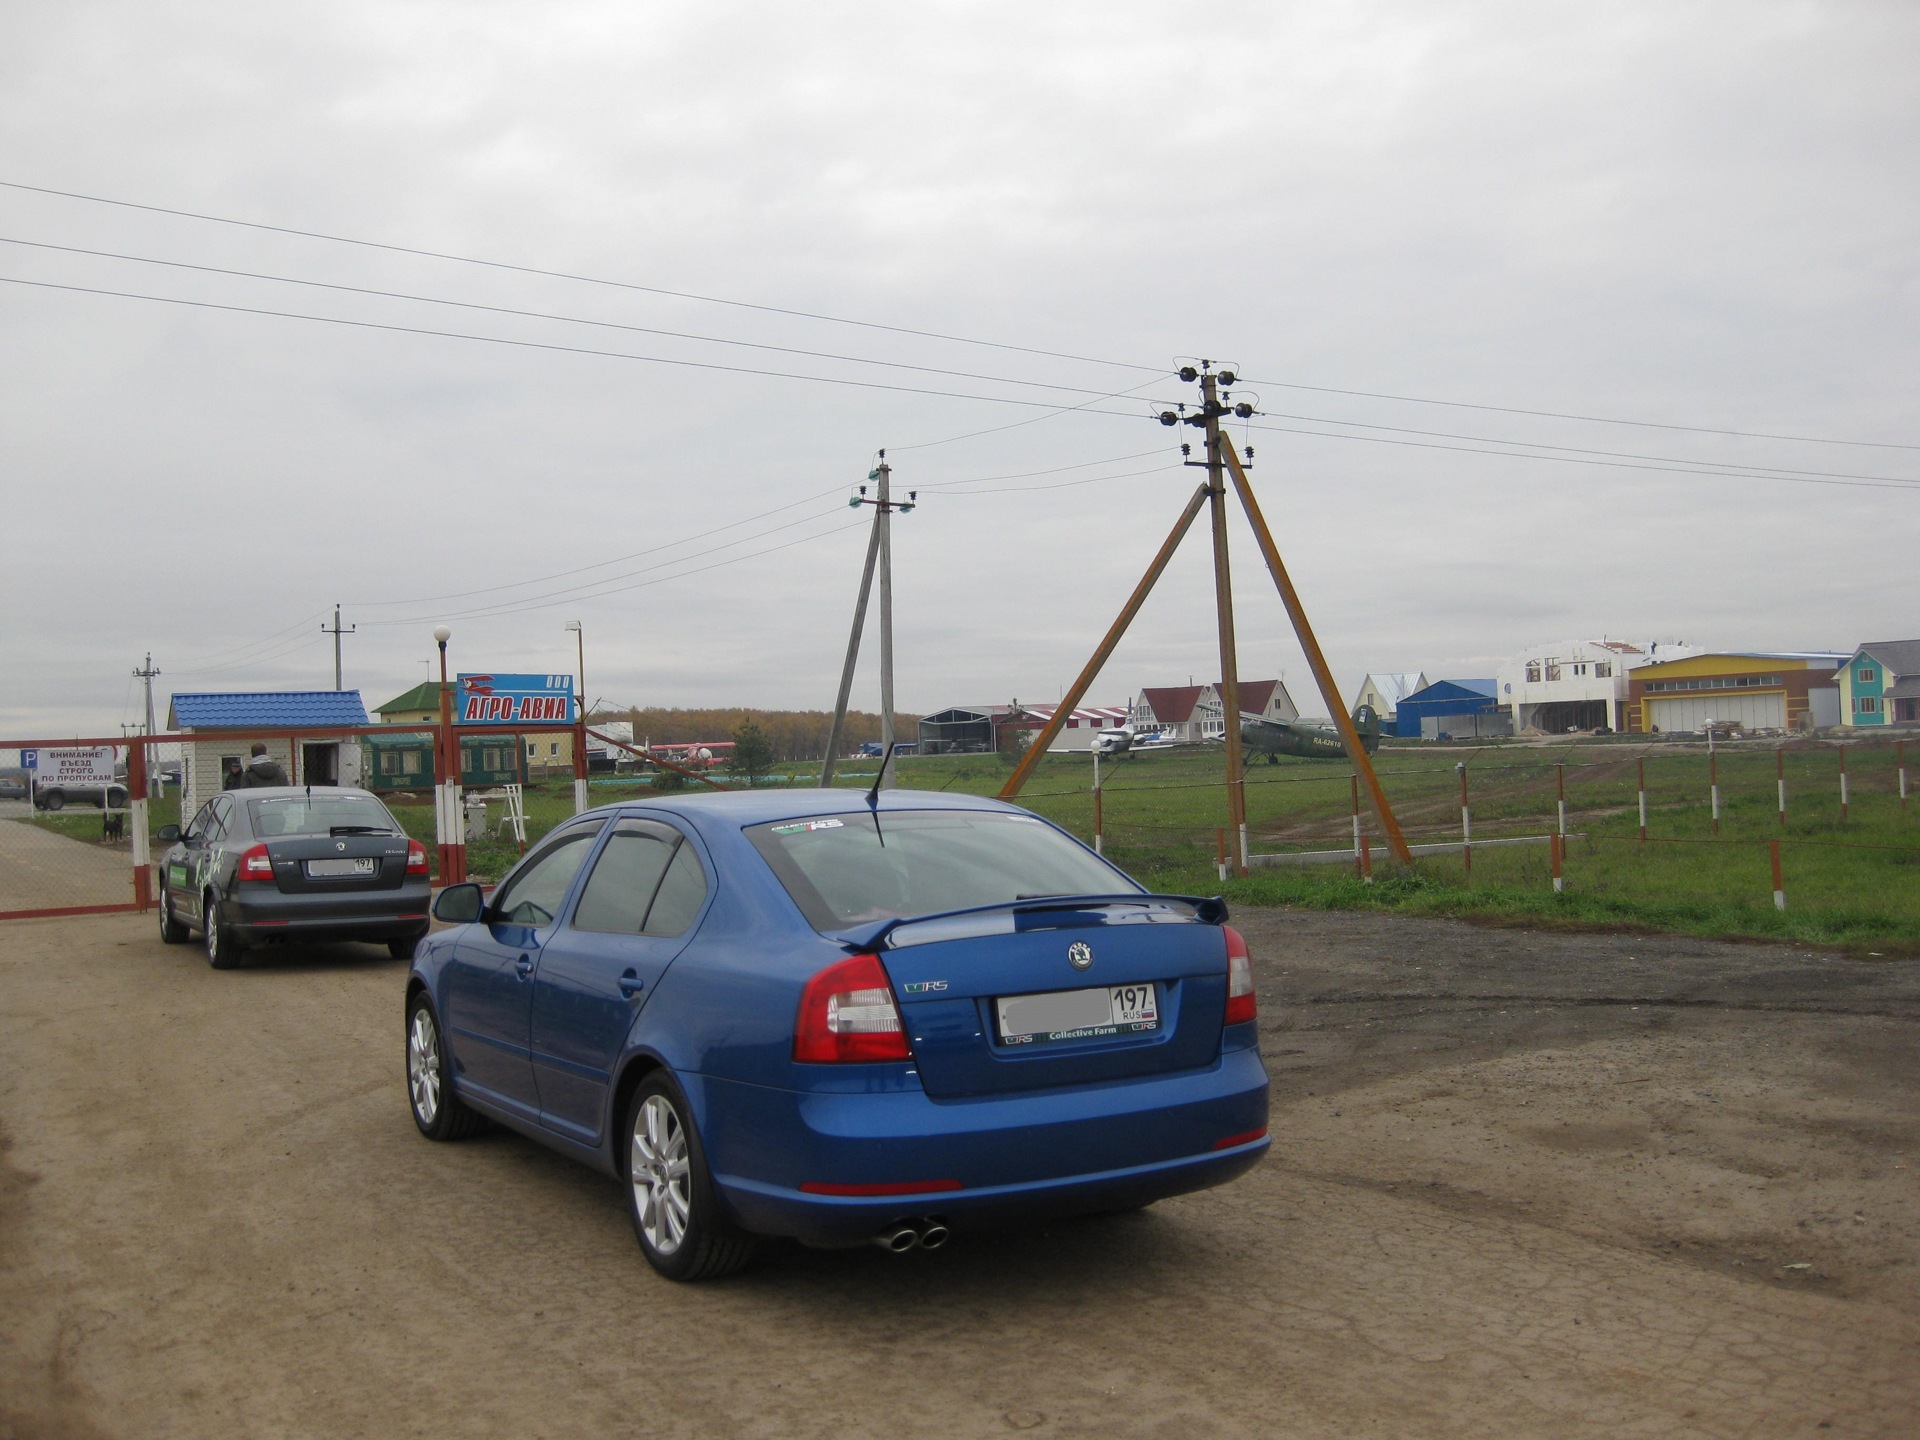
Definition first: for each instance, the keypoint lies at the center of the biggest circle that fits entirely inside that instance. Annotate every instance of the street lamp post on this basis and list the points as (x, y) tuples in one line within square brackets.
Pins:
[(447, 832)]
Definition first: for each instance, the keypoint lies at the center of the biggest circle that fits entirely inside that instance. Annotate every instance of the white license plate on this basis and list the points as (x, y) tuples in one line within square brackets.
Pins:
[(334, 869), (1078, 1014)]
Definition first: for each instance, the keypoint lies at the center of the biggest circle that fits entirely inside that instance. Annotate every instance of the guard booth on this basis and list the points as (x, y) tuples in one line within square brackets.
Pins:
[(218, 731)]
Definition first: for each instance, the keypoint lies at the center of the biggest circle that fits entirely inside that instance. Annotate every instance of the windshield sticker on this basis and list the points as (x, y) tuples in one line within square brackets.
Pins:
[(806, 825)]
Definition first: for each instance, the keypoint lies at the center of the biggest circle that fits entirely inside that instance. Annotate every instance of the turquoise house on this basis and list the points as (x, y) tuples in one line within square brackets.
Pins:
[(1880, 685)]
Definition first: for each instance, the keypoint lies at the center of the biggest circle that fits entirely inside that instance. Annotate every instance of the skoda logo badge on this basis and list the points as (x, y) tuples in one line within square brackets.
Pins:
[(1080, 955)]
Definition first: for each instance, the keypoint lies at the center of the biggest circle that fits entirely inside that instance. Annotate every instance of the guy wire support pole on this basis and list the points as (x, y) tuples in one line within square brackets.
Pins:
[(879, 553), (1211, 411), (1077, 691), (1329, 692)]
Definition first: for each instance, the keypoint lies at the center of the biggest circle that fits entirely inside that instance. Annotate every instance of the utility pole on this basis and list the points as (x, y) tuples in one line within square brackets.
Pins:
[(1211, 412), (145, 674), (879, 556), (883, 511), (335, 631)]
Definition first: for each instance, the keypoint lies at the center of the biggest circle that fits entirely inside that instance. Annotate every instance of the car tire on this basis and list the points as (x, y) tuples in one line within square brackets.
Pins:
[(53, 800), (437, 1111), (670, 1198), (224, 951), (116, 800), (172, 932), (404, 949)]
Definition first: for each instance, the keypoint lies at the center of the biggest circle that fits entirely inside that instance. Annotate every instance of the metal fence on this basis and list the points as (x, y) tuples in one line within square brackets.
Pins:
[(87, 845)]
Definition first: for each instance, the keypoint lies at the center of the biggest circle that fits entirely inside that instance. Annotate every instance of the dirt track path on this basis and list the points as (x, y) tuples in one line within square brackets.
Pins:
[(216, 1219), (41, 869)]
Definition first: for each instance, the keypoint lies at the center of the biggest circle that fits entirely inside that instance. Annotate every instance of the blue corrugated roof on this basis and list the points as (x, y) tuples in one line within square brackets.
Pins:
[(274, 709)]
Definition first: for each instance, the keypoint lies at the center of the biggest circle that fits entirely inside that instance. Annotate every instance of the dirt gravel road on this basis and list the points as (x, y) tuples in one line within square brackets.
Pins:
[(1523, 1185)]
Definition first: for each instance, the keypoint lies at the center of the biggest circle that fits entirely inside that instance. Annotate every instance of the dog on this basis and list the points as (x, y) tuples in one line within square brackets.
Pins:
[(113, 826)]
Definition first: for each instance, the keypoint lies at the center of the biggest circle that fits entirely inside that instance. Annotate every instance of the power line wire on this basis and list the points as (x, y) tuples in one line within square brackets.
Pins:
[(565, 275), (1693, 468), (909, 330), (562, 349), (1590, 419), (558, 319)]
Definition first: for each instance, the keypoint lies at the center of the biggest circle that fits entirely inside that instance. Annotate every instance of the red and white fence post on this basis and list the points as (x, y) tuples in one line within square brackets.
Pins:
[(137, 765), (1643, 797), (1366, 861), (580, 801), (1779, 885), (1557, 844), (1780, 779), (1220, 852), (1901, 749), (1466, 824), (1843, 784), (1560, 785), (1713, 784), (1359, 869)]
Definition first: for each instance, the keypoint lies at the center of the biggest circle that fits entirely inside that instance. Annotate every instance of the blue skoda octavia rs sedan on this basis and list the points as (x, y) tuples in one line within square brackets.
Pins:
[(793, 1014)]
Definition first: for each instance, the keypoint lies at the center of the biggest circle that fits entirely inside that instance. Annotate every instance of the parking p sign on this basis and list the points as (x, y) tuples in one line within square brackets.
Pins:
[(29, 759)]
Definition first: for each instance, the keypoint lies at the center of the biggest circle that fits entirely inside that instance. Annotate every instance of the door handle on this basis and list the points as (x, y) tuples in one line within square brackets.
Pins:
[(631, 984), (524, 966)]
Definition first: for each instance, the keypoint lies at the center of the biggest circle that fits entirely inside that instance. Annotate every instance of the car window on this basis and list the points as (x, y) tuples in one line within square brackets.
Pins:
[(625, 877), (841, 871), (683, 890), (222, 818), (320, 814), (201, 823), (534, 893)]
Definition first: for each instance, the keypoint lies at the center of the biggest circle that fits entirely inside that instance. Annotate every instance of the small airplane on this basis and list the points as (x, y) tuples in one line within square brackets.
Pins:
[(1274, 738), (1126, 741)]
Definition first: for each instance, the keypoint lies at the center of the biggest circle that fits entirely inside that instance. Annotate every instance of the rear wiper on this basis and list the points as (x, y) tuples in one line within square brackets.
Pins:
[(358, 830)]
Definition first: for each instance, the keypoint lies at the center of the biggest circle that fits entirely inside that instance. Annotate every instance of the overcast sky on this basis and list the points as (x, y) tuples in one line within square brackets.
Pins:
[(1689, 215)]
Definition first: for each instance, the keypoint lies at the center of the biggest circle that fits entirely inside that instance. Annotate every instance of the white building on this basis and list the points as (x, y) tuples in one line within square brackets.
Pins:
[(1190, 713), (1577, 684)]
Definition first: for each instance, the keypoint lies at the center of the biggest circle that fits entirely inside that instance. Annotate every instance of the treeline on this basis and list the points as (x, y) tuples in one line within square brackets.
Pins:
[(794, 734)]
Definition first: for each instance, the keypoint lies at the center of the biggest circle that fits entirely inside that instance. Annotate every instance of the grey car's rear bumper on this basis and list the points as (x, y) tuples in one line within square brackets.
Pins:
[(258, 913)]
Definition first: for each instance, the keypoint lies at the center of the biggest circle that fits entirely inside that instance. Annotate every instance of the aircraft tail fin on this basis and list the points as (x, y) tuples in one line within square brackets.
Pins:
[(1367, 722)]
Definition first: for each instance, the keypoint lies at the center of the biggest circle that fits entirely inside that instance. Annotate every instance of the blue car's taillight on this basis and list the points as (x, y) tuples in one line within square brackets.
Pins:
[(1241, 1004), (847, 1014)]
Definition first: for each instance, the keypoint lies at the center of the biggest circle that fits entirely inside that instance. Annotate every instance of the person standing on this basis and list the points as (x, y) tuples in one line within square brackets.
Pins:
[(262, 769)]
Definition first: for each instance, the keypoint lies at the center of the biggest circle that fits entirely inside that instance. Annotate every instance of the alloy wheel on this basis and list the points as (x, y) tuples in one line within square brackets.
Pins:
[(660, 1174), (423, 1066)]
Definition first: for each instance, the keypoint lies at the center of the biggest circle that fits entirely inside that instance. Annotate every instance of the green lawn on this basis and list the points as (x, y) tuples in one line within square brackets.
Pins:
[(1854, 882)]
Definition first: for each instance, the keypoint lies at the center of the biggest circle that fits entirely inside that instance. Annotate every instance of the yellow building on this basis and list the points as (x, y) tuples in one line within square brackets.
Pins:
[(1753, 690)]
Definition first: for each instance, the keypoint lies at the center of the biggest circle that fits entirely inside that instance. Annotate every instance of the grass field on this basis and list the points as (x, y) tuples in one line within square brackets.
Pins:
[(1852, 882)]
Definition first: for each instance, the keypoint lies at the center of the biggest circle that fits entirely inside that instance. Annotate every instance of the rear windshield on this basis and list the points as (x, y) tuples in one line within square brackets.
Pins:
[(840, 873), (318, 815)]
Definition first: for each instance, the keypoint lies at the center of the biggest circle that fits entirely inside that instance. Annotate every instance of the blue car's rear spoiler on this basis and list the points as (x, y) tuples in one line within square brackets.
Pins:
[(1207, 909)]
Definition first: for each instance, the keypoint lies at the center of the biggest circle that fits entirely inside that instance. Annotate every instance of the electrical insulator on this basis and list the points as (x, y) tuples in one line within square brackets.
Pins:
[(1243, 410), (1167, 417), (1189, 374), (1185, 448), (1227, 377)]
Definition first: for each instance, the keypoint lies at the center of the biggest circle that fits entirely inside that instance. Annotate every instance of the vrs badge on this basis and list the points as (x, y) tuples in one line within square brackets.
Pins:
[(1080, 955)]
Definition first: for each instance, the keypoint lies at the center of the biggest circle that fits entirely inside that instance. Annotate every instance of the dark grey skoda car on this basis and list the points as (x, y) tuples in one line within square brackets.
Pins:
[(286, 864)]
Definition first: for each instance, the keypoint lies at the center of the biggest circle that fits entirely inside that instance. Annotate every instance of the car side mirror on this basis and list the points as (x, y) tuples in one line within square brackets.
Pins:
[(458, 904), (168, 833)]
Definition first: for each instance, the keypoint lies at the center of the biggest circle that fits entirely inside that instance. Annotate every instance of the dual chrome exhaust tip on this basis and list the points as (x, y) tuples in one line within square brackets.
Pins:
[(927, 1234)]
